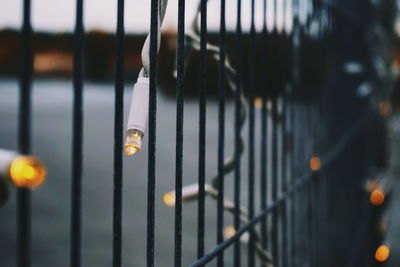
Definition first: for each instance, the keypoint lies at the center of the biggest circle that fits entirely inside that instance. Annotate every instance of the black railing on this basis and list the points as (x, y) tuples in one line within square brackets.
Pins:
[(305, 130)]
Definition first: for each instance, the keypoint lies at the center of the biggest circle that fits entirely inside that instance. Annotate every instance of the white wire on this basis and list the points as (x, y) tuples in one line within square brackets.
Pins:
[(193, 42), (144, 72)]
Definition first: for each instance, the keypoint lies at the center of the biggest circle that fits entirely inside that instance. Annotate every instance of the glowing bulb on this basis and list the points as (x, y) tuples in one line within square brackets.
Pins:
[(27, 172), (169, 199), (377, 197), (258, 102), (189, 193), (315, 163), (229, 231), (382, 253), (133, 142)]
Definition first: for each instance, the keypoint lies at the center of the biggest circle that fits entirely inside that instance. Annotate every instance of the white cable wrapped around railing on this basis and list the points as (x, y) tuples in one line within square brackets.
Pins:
[(139, 108)]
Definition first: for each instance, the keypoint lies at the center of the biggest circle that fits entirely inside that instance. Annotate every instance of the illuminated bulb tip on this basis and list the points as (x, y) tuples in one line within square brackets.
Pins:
[(382, 253), (258, 102), (169, 199), (315, 163), (27, 172), (377, 197), (133, 142), (130, 150), (229, 231)]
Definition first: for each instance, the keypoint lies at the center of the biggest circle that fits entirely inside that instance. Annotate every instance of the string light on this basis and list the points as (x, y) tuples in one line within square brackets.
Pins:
[(189, 193), (137, 118), (315, 163), (258, 102), (382, 253), (139, 108), (377, 197), (229, 231), (23, 171)]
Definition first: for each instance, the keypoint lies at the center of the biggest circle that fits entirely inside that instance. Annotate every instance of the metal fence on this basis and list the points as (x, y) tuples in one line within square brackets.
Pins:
[(300, 84)]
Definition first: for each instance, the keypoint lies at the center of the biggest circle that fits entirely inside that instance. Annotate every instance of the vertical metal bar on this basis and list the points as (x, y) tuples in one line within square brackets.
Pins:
[(179, 133), (118, 136), (151, 185), (282, 121), (289, 176), (284, 182), (263, 165), (280, 181), (202, 128), (251, 163), (238, 144), (294, 171), (221, 134), (274, 185), (294, 136), (77, 142), (274, 182), (309, 194), (24, 139)]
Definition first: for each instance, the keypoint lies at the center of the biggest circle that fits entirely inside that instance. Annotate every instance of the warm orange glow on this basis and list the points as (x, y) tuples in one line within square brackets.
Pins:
[(377, 197), (385, 109), (382, 253), (131, 150), (27, 172), (169, 199), (258, 102), (229, 231), (52, 61), (315, 163)]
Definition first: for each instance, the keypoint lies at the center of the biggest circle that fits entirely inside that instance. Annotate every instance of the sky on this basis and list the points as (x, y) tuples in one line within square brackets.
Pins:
[(59, 15)]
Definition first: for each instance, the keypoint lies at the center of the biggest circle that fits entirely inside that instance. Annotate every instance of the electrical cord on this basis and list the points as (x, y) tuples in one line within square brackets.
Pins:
[(193, 43), (144, 72)]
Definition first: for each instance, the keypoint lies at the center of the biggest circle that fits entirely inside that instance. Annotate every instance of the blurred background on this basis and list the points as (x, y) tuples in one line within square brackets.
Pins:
[(53, 24)]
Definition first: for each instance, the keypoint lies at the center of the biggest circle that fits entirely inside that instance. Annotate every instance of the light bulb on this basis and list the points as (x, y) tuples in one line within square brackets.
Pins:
[(27, 172), (189, 193), (382, 253), (315, 163), (377, 197), (169, 199), (137, 118), (23, 171), (133, 141), (229, 231)]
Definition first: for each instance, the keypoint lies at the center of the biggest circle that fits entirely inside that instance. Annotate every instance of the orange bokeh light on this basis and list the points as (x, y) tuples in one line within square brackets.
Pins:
[(315, 163), (169, 199), (27, 172), (377, 197), (382, 253)]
